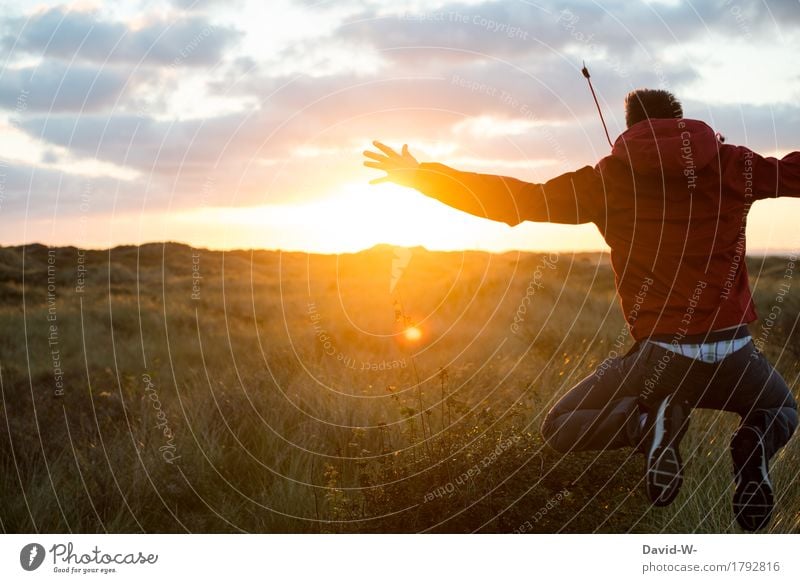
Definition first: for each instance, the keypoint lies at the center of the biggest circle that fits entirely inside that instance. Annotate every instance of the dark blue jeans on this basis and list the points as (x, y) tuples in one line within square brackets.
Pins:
[(602, 411)]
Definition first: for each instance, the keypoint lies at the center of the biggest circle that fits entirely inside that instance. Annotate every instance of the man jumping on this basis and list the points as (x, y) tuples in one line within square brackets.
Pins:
[(671, 201)]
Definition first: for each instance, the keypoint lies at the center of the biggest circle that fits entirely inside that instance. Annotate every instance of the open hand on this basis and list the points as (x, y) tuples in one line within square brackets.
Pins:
[(400, 168)]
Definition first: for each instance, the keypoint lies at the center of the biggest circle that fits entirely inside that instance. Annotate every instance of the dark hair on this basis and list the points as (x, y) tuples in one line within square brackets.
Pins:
[(641, 104)]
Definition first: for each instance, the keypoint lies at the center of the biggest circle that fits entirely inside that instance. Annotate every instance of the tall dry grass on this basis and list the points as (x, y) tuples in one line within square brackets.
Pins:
[(292, 402)]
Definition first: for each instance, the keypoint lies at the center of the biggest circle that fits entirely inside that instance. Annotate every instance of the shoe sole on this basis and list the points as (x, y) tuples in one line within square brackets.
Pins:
[(753, 499), (664, 464)]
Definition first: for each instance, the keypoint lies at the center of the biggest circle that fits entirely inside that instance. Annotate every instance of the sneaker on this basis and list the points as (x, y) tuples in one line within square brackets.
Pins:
[(665, 429), (753, 499)]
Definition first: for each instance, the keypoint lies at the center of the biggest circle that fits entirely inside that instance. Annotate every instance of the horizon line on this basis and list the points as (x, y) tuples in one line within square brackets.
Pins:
[(757, 252)]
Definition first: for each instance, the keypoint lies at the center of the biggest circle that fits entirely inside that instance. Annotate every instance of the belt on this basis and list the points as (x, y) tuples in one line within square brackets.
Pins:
[(705, 337), (707, 351)]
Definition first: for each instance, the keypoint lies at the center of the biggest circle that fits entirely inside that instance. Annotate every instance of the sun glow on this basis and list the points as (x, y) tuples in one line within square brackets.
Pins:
[(351, 218), (412, 334), (358, 215)]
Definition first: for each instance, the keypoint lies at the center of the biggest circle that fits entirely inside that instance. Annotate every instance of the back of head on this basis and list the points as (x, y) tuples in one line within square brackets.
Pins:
[(642, 104), (658, 146)]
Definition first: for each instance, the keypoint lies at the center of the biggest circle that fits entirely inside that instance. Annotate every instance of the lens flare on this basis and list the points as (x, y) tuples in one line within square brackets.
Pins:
[(412, 334)]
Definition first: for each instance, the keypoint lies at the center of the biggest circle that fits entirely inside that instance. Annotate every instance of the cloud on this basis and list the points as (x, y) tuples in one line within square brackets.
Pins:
[(56, 87), (304, 104), (64, 34), (174, 158), (28, 190)]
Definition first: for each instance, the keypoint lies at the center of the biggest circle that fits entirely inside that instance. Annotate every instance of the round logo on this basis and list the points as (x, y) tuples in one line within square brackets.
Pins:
[(31, 556)]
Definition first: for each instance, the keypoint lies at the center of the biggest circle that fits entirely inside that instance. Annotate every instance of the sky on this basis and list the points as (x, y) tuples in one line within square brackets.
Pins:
[(226, 124)]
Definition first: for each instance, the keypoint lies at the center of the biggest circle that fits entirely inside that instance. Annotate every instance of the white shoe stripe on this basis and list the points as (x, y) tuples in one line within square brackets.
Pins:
[(658, 427)]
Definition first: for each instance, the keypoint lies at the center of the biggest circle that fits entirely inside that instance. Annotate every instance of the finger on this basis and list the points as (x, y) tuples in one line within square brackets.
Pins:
[(374, 155), (385, 149), (377, 165), (380, 180)]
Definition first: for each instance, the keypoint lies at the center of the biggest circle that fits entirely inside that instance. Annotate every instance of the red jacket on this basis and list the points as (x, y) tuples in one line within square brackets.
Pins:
[(671, 201)]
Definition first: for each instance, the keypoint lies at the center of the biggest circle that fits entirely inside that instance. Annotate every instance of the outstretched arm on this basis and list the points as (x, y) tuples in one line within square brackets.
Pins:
[(574, 197), (767, 177)]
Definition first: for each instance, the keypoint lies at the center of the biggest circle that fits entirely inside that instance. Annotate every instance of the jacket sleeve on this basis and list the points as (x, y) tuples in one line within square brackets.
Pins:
[(770, 177), (571, 198)]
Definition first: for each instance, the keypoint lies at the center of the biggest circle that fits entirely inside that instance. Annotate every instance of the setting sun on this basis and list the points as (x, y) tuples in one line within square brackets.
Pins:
[(352, 217)]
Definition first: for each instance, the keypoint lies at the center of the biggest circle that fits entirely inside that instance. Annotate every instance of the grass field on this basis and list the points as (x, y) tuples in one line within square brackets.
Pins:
[(167, 389)]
